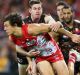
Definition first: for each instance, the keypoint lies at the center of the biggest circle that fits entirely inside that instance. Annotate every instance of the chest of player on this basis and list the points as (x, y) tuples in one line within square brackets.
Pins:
[(25, 42), (46, 45)]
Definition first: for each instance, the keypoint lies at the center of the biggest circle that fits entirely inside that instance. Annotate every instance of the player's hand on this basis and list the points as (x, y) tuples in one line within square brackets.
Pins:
[(55, 26), (33, 52), (76, 38)]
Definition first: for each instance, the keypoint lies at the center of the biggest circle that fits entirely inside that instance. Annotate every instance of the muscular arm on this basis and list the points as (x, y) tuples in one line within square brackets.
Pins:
[(35, 29), (65, 32), (57, 26), (74, 37)]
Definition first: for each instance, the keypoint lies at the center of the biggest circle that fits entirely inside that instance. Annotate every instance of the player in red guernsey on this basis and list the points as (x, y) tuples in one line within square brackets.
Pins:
[(25, 42), (49, 50)]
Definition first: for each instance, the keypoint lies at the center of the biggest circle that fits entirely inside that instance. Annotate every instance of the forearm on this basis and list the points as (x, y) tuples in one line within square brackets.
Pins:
[(21, 51), (29, 59), (35, 29), (65, 32)]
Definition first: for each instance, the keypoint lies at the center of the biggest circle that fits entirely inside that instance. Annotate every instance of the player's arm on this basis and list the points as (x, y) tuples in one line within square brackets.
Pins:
[(35, 29), (57, 26), (21, 51), (75, 38), (54, 25), (65, 32), (51, 24), (31, 52)]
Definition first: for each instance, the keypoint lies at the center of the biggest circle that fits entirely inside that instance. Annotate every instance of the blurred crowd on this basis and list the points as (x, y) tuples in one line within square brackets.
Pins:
[(8, 63)]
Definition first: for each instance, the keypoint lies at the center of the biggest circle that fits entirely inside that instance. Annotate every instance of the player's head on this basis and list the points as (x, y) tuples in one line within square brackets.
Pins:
[(12, 21), (67, 14), (35, 8), (59, 6)]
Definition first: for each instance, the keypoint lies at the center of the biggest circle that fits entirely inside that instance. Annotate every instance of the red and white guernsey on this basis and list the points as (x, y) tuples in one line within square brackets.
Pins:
[(42, 42), (26, 40), (46, 44)]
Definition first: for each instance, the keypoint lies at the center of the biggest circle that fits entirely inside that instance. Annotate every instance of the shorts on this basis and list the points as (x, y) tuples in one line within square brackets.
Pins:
[(22, 65), (52, 58), (22, 61)]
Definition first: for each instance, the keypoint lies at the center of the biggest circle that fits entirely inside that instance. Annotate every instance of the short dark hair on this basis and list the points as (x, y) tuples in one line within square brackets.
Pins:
[(32, 2), (67, 7), (61, 3), (14, 19)]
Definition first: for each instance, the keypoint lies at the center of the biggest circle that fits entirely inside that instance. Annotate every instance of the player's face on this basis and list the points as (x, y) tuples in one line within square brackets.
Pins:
[(59, 11), (36, 11), (67, 15), (8, 28)]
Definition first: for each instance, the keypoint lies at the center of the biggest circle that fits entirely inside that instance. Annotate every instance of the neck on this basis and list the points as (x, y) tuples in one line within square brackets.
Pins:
[(18, 31), (36, 20), (60, 19)]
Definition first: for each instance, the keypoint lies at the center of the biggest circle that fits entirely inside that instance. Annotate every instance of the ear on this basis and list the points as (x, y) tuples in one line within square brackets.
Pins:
[(29, 10)]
